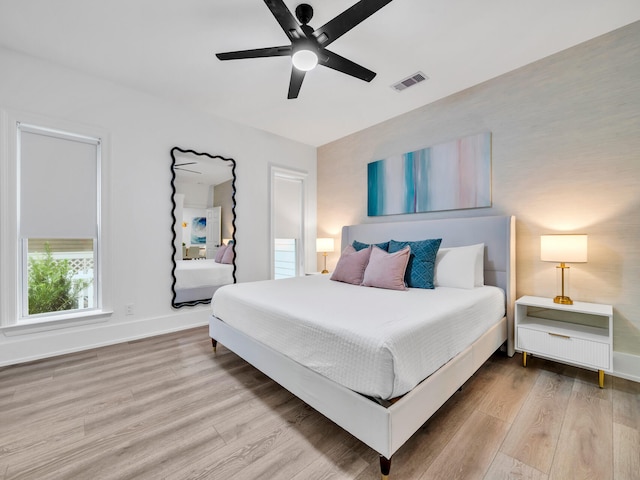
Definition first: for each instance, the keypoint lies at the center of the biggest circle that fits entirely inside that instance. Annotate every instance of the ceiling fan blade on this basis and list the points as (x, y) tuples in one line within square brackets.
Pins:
[(341, 64), (297, 76), (352, 16), (285, 18), (256, 53)]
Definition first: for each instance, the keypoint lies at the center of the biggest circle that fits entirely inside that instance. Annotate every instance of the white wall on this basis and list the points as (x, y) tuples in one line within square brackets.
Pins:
[(195, 194), (143, 129)]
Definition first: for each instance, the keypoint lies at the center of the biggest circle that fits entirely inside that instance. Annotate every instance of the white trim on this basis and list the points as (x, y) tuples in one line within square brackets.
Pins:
[(626, 365), (276, 171), (52, 132), (57, 322), (101, 334), (23, 275), (9, 253), (10, 121)]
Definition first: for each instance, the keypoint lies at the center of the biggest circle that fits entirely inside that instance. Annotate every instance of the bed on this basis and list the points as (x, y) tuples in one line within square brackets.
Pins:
[(198, 279), (385, 416)]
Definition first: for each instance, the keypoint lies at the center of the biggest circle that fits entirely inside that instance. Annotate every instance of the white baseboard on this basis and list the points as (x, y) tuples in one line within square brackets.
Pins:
[(626, 365), (27, 348), (30, 347)]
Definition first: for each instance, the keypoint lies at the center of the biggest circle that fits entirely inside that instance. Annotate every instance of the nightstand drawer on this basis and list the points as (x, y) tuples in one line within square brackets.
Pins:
[(564, 347)]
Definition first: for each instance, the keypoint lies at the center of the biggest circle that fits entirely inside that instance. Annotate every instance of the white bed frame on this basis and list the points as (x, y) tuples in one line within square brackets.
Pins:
[(386, 429)]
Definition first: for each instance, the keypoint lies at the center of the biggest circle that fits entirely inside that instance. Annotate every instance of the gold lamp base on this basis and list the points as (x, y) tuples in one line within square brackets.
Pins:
[(564, 300), (324, 254)]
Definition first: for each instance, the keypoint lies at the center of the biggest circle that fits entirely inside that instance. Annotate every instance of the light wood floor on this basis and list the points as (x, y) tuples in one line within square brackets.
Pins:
[(168, 408)]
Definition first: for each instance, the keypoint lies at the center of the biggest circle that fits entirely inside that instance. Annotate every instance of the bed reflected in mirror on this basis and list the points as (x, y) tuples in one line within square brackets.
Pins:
[(204, 227)]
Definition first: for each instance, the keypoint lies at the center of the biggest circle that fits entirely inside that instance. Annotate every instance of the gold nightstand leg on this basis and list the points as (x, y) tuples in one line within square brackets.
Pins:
[(524, 359), (601, 378)]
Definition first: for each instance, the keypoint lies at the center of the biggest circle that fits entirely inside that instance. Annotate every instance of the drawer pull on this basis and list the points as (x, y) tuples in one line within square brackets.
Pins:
[(558, 335)]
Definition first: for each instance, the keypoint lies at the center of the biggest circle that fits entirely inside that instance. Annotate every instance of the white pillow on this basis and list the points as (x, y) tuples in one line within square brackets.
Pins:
[(460, 267)]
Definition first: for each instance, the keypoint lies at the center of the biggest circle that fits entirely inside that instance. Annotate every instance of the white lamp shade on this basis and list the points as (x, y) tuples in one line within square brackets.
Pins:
[(563, 248), (304, 60), (324, 245)]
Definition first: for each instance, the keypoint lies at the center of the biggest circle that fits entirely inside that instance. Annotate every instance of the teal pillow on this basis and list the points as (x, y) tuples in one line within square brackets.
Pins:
[(361, 246), (422, 260)]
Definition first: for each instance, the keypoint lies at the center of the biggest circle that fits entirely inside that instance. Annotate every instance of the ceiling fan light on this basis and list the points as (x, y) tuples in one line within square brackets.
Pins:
[(304, 60)]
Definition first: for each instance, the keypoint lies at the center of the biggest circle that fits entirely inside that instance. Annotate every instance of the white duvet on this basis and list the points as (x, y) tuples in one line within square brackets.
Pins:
[(377, 342), (199, 273)]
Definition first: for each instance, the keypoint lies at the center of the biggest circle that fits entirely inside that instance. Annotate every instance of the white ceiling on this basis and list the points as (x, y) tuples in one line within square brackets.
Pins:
[(190, 168), (166, 47)]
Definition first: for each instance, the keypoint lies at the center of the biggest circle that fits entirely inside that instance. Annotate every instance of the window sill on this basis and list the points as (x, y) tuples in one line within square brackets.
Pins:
[(56, 322)]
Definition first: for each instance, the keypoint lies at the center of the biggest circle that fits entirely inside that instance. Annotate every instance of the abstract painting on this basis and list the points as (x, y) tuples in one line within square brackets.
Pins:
[(199, 231), (448, 176)]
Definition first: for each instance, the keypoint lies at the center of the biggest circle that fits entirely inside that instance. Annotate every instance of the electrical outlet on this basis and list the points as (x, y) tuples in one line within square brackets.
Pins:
[(130, 309)]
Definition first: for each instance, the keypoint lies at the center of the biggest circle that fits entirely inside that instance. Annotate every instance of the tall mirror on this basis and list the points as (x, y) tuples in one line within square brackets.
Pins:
[(204, 226)]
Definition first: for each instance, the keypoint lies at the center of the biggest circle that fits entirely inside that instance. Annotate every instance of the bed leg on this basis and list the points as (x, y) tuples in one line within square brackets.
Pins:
[(214, 344), (385, 467)]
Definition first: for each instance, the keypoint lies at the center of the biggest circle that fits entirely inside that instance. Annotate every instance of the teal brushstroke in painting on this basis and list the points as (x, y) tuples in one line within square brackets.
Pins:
[(409, 184), (375, 176)]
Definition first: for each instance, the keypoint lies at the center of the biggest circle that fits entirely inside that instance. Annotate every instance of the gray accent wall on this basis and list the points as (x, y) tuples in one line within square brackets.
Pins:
[(223, 198), (565, 158)]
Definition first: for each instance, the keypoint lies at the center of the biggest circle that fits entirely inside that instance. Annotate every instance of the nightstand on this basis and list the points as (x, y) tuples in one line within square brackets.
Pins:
[(580, 334)]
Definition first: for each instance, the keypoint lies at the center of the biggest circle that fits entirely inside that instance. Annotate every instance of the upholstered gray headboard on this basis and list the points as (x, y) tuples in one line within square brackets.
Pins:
[(496, 232)]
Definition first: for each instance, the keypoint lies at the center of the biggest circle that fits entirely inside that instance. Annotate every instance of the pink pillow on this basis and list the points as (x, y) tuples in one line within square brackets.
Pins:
[(350, 267), (386, 270), (220, 253), (228, 255)]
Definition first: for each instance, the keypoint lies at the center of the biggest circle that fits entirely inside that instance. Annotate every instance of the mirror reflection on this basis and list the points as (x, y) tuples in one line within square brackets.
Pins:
[(203, 196)]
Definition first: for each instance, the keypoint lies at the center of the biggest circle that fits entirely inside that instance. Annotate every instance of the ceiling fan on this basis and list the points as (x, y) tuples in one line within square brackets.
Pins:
[(308, 46), (179, 166)]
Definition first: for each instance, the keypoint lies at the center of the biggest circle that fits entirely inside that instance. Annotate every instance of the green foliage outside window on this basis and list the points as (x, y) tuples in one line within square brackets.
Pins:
[(51, 284)]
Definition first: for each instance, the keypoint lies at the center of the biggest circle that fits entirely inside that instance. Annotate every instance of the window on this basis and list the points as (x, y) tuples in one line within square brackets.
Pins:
[(58, 222), (287, 222), (285, 258)]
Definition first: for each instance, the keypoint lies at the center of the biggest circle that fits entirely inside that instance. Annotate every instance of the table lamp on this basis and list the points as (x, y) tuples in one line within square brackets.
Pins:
[(563, 249), (324, 245)]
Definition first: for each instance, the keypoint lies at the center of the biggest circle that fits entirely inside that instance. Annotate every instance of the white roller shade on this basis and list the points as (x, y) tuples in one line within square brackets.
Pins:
[(58, 184), (288, 207)]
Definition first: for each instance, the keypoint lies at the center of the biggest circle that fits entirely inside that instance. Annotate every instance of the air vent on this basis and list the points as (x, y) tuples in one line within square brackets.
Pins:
[(409, 81)]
